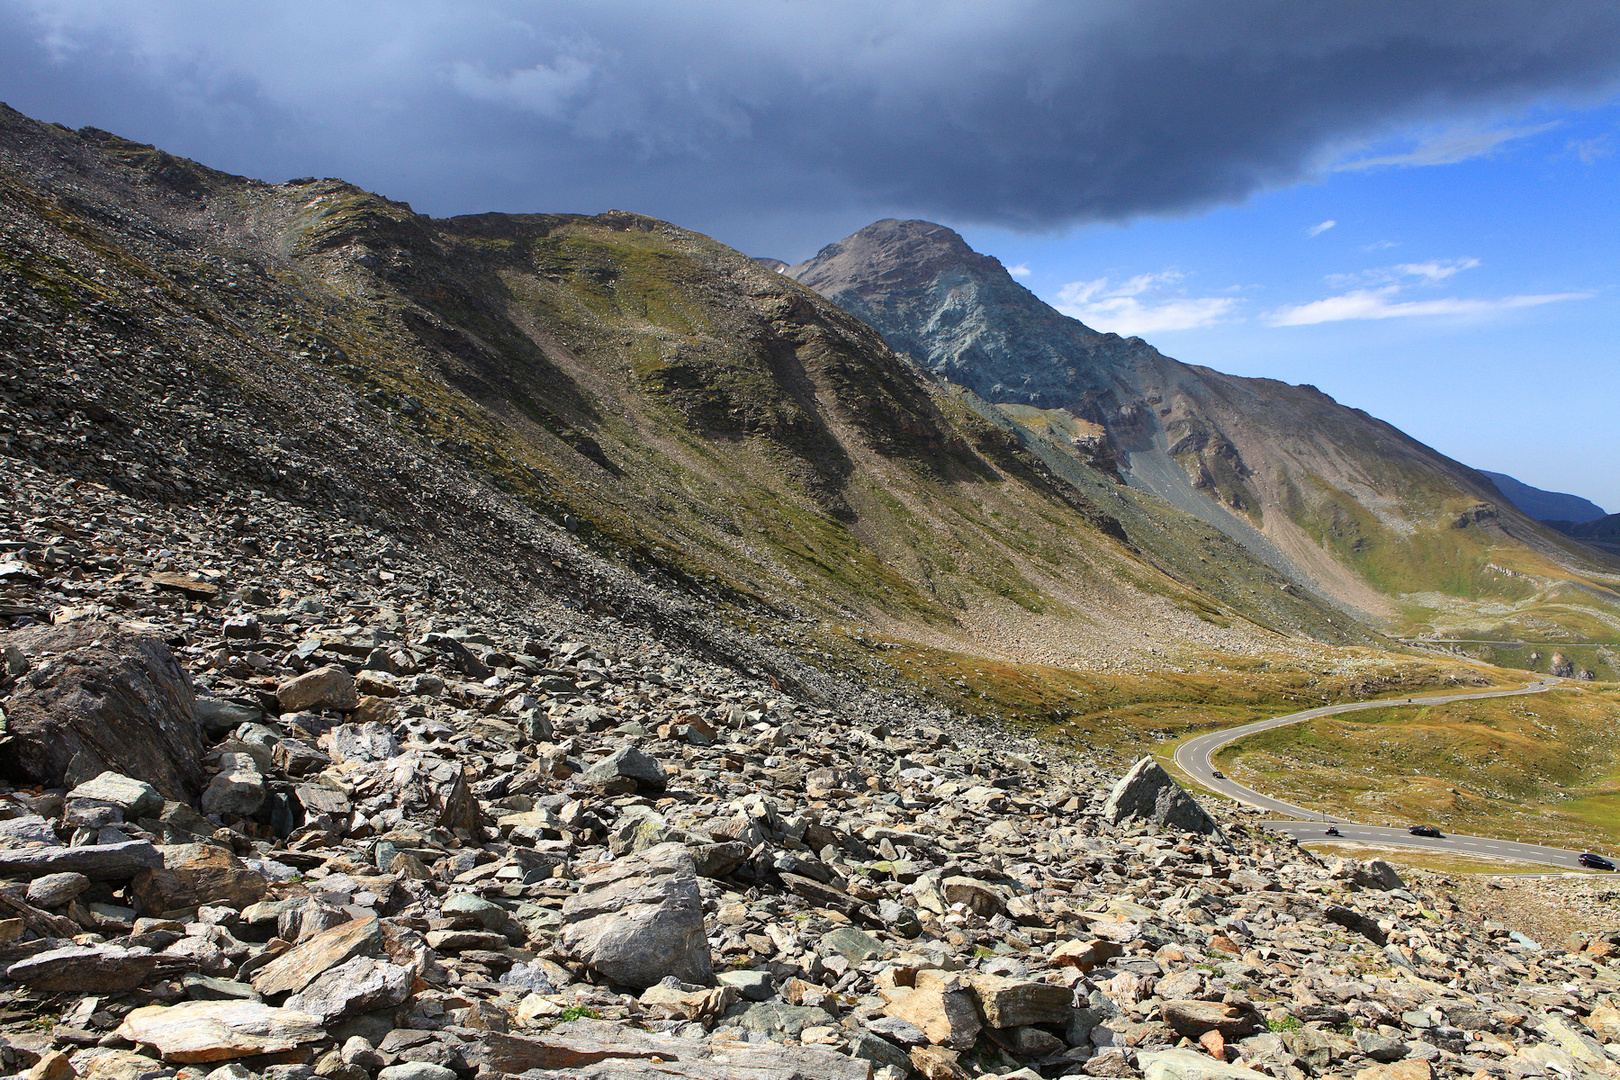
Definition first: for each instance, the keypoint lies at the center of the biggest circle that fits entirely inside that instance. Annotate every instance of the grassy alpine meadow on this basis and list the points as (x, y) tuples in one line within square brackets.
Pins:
[(1407, 859), (1543, 768)]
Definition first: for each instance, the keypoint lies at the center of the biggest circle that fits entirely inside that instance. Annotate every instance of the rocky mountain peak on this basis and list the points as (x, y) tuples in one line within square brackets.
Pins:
[(896, 253)]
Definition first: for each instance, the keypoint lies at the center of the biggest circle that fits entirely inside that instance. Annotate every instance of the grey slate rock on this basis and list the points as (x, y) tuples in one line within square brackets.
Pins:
[(56, 890), (101, 862), (116, 702), (1146, 793), (219, 717), (627, 769), (135, 798), (776, 1019), (639, 919), (750, 985)]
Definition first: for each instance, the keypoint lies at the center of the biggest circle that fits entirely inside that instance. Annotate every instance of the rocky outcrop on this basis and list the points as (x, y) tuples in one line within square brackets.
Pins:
[(1146, 793), (193, 876), (98, 699)]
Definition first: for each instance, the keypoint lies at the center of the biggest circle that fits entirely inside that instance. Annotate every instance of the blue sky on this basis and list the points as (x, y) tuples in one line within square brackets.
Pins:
[(1474, 304), (1165, 168)]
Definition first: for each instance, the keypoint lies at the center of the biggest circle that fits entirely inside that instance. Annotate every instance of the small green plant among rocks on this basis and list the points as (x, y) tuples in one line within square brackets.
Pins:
[(581, 1012)]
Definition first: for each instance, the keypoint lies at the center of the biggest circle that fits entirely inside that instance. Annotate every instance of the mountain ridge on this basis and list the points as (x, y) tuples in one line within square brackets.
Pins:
[(613, 410), (1545, 506)]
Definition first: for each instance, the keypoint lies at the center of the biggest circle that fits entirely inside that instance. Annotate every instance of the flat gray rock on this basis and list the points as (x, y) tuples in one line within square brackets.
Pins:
[(99, 862), (136, 798), (55, 890), (627, 769), (85, 969), (355, 986)]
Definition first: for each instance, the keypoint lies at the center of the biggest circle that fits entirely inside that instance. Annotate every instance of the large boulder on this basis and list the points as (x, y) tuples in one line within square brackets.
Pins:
[(359, 984), (238, 788), (1182, 1064), (639, 919), (134, 799), (943, 1007), (1011, 1003), (1378, 874), (307, 961), (98, 700), (601, 1050), (85, 969), (1147, 793), (1193, 1018)]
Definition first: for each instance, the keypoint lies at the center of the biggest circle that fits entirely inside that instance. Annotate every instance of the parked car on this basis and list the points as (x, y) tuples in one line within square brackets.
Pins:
[(1596, 862), (1425, 830)]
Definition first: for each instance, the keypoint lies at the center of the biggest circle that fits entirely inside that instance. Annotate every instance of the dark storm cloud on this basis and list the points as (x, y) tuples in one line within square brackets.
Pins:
[(760, 119)]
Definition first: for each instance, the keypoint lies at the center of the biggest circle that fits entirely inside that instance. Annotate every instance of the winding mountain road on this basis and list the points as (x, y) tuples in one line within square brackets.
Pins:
[(1193, 758)]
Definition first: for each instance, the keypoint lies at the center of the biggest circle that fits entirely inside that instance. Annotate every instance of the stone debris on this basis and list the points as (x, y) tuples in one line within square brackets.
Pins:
[(117, 861), (98, 969), (388, 833)]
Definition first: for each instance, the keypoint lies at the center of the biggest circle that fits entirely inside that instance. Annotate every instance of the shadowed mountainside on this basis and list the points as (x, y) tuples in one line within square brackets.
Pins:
[(1544, 505)]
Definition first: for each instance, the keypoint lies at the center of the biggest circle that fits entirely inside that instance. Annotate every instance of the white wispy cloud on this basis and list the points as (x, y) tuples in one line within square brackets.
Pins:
[(1448, 148), (1419, 273), (1380, 245), (1437, 270), (545, 89), (1382, 304), (1021, 270), (1318, 230), (1144, 304), (1591, 151)]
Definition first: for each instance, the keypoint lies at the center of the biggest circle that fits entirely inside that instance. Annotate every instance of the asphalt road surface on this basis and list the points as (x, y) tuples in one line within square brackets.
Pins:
[(1193, 757), (1462, 845)]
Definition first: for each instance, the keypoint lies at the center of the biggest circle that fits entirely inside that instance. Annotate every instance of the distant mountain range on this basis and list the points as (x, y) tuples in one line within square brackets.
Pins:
[(1341, 502), (760, 471), (1545, 505), (1603, 533)]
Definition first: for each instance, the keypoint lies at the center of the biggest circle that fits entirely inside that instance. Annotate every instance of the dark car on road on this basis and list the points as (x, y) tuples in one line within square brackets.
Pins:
[(1217, 774), (1596, 862), (1425, 830)]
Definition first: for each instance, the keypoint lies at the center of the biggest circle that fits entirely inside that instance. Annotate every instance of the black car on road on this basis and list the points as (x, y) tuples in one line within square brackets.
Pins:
[(1596, 862), (1425, 830)]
